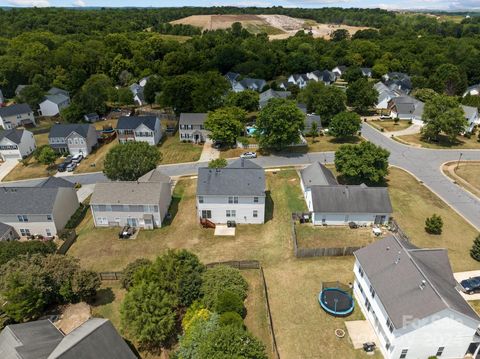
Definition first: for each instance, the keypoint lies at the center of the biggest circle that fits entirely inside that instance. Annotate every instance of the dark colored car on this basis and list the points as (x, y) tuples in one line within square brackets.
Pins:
[(62, 167), (352, 225), (471, 285)]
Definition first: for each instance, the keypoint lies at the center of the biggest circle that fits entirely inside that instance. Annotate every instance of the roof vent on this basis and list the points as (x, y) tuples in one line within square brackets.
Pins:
[(388, 248), (423, 284), (397, 260)]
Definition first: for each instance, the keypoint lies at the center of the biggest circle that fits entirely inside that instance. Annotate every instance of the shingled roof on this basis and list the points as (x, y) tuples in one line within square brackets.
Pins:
[(64, 129), (133, 122), (17, 109), (13, 135), (411, 282), (317, 174)]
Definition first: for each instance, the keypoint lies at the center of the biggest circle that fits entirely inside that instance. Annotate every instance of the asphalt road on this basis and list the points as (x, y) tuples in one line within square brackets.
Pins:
[(425, 164)]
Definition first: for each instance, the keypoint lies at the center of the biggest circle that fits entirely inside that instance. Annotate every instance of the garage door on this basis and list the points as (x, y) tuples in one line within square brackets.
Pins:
[(11, 157)]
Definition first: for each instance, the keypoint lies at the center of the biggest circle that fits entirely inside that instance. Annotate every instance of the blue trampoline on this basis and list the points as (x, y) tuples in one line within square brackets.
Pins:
[(336, 302)]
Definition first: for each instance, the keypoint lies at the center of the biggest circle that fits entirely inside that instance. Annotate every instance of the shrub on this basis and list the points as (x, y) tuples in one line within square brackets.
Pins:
[(85, 284), (217, 163), (220, 279), (130, 270), (77, 217), (231, 318), (434, 224), (13, 249), (228, 301), (475, 251)]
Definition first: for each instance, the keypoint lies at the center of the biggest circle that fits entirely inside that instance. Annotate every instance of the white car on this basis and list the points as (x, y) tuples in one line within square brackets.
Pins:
[(248, 155), (71, 166), (77, 158)]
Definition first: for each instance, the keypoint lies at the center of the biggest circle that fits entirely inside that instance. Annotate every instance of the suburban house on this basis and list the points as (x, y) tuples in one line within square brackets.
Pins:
[(143, 203), (327, 77), (139, 129), (339, 71), (471, 114), (333, 204), (55, 101), (16, 144), (249, 84), (73, 138), (16, 115), (7, 233), (406, 108), (384, 96), (137, 93), (42, 210), (366, 71), (91, 117), (95, 338), (191, 127), (234, 193), (473, 90), (409, 296), (232, 77), (398, 81), (311, 118), (300, 80), (269, 94)]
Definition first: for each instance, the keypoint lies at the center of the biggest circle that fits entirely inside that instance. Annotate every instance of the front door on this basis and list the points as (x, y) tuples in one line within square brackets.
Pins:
[(132, 222), (380, 219)]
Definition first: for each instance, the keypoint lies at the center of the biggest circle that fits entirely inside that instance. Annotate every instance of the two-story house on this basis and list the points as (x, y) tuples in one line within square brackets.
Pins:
[(191, 127), (249, 84), (409, 296), (143, 203), (234, 193), (16, 115), (41, 210), (73, 138), (16, 144), (301, 80), (139, 129), (55, 101)]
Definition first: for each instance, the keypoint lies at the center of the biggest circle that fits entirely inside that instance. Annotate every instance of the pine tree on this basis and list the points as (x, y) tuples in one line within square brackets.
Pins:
[(475, 251)]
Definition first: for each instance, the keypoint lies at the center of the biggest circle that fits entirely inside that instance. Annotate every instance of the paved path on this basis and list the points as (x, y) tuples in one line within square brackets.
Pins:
[(209, 152), (411, 130), (6, 167), (425, 164)]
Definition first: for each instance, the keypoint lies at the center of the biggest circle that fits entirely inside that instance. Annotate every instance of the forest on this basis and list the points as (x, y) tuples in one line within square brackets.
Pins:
[(90, 51)]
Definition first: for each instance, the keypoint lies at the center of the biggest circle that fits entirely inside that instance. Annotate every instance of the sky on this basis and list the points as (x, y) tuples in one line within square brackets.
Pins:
[(385, 4)]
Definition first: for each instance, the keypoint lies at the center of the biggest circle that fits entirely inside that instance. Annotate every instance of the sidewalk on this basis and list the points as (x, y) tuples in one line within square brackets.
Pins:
[(6, 167), (209, 153), (412, 130)]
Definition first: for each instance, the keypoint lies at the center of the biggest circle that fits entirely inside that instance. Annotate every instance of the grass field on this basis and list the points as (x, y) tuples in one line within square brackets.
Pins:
[(310, 236), (462, 142), (390, 125), (174, 151), (470, 172), (329, 143)]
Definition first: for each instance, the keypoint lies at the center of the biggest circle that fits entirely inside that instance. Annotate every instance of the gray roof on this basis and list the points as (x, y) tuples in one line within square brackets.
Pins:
[(55, 182), (135, 193), (408, 105), (13, 135), (366, 71), (132, 122), (310, 119), (472, 88), (253, 84), (328, 76), (65, 129), (350, 199), (33, 340), (192, 118), (398, 80), (232, 76), (302, 107), (4, 228), (240, 178), (57, 91), (317, 174), (57, 99), (155, 175), (269, 94), (470, 112), (96, 338), (17, 109), (28, 200), (396, 271)]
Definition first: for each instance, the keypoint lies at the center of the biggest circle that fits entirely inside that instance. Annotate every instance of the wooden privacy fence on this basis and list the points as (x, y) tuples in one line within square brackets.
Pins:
[(110, 275), (69, 237), (247, 264), (276, 354)]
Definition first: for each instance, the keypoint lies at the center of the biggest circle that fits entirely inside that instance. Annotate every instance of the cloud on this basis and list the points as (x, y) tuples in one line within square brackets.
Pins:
[(80, 3), (30, 3)]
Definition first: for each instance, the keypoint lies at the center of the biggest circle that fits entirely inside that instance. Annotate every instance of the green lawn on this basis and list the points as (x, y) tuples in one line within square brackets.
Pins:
[(310, 236), (174, 151), (390, 125), (462, 142)]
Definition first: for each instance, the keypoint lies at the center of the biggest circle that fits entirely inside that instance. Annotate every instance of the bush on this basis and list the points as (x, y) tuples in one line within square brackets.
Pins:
[(131, 269), (475, 251), (231, 318), (217, 163), (220, 279), (77, 217), (434, 224), (85, 284), (13, 249), (228, 301)]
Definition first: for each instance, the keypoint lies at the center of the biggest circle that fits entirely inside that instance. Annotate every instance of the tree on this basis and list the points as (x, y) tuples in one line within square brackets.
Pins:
[(85, 284), (177, 93), (424, 94), (218, 163), (313, 133), (209, 92), (443, 114), (345, 124), (73, 113), (131, 269), (279, 124), (339, 35), (32, 94), (148, 313), (228, 301), (361, 95), (475, 251), (353, 74), (363, 162), (449, 79), (330, 102), (129, 161), (47, 156), (247, 100), (201, 323), (311, 95), (232, 318), (225, 124), (13, 249), (94, 94), (219, 279), (124, 96), (434, 224), (152, 87)]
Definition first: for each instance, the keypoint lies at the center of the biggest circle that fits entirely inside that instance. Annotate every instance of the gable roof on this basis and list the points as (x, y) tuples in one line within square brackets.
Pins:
[(350, 199), (192, 118), (57, 98), (398, 272), (4, 228), (155, 175), (328, 76), (13, 135), (29, 200), (254, 84), (133, 122), (470, 112), (55, 182), (317, 174), (232, 76), (57, 91), (240, 178), (134, 193), (269, 94), (17, 109), (366, 71), (65, 129)]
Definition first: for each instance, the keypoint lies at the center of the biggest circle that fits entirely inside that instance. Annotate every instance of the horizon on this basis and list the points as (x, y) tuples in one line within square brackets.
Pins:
[(408, 5)]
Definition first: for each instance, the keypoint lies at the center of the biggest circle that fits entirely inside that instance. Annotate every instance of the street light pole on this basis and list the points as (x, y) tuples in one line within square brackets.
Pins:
[(459, 158)]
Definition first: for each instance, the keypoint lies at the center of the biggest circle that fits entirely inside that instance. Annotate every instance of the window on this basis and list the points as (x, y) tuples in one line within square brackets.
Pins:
[(232, 199), (390, 325), (255, 199), (200, 199), (403, 355), (235, 199), (48, 232), (49, 217), (367, 304), (24, 232), (372, 291), (440, 351), (102, 220), (360, 271), (22, 218), (346, 218), (231, 213), (387, 345), (206, 214), (255, 213)]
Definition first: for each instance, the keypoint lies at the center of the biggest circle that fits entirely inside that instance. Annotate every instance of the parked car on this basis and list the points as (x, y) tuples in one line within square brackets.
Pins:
[(68, 159), (77, 158), (385, 117), (62, 167), (71, 166), (471, 285), (248, 155)]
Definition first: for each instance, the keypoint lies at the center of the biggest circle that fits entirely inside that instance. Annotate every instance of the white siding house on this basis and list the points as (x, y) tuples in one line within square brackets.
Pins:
[(139, 129), (16, 144), (409, 296), (16, 115), (55, 101), (73, 138), (234, 193)]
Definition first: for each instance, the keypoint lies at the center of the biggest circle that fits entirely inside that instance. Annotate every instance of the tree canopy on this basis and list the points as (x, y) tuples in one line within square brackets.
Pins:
[(361, 95), (225, 124), (345, 124)]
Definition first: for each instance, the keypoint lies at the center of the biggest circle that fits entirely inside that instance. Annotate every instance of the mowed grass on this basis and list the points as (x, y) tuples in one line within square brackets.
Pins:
[(413, 203), (390, 125), (462, 142), (94, 162), (310, 236), (470, 172), (329, 143), (174, 151)]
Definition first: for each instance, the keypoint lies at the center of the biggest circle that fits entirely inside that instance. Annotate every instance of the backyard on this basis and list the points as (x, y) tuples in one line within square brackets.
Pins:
[(310, 236), (462, 142), (302, 329)]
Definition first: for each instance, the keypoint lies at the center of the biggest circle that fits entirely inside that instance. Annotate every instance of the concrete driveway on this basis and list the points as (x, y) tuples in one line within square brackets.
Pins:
[(6, 167), (465, 275), (208, 152)]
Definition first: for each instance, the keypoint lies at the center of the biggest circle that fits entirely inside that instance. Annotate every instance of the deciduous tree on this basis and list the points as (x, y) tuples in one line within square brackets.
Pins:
[(361, 95), (225, 124), (345, 124)]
